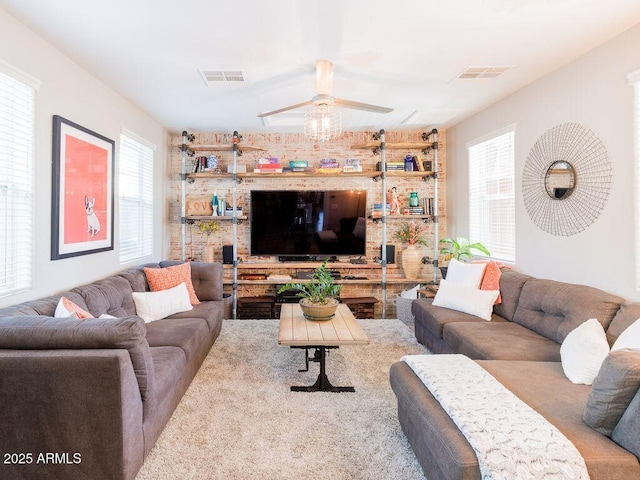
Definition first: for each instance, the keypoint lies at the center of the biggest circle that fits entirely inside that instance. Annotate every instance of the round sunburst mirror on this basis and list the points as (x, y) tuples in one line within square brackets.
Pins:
[(566, 179)]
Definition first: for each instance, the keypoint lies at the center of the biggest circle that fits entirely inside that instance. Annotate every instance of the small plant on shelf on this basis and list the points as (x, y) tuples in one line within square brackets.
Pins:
[(412, 233), (208, 227)]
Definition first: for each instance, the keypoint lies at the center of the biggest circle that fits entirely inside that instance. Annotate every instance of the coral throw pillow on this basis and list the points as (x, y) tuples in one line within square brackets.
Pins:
[(491, 279), (169, 277), (66, 308)]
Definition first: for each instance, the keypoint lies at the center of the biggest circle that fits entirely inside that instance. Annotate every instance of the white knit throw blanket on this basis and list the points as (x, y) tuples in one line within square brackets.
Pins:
[(511, 440)]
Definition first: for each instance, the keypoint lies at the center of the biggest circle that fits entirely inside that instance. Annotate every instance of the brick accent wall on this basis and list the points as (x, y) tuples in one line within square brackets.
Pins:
[(294, 146)]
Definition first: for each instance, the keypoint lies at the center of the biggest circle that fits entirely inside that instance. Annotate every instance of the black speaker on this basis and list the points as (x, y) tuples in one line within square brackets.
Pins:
[(391, 253), (227, 254)]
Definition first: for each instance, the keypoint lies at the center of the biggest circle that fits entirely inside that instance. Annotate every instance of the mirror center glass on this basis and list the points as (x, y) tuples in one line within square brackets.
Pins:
[(560, 180)]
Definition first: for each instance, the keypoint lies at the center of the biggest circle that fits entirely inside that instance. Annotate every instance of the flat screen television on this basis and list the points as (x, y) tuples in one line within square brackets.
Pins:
[(308, 223)]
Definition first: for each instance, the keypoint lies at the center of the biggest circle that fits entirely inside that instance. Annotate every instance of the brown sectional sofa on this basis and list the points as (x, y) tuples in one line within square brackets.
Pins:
[(521, 348), (88, 399)]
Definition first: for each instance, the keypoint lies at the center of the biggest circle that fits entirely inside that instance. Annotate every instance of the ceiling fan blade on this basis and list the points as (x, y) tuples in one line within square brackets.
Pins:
[(280, 110), (362, 106), (324, 77)]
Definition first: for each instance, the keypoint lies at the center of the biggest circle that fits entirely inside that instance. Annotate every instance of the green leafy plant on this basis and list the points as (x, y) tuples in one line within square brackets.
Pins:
[(412, 233), (208, 227), (320, 288), (461, 248)]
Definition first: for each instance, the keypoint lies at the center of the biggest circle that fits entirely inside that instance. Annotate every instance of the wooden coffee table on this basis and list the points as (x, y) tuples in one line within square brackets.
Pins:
[(298, 332)]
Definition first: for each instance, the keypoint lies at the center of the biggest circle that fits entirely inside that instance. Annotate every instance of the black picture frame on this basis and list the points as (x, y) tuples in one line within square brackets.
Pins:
[(82, 193)]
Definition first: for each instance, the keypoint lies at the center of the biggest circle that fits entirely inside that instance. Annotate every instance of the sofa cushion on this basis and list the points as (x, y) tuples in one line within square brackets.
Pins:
[(136, 277), (211, 312), (111, 295), (434, 318), (66, 308), (583, 351), (469, 274), (42, 333), (206, 278), (152, 306), (169, 364), (627, 314), (543, 386), (511, 283), (626, 432), (553, 309), (465, 298), (189, 334), (629, 338), (44, 306), (166, 278), (613, 389), (499, 341)]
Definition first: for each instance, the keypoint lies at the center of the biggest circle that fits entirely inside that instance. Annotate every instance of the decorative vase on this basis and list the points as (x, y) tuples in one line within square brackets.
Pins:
[(411, 262), (208, 253), (316, 311)]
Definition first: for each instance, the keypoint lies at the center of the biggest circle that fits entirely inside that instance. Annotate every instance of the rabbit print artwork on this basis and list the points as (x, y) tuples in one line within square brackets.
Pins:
[(93, 224)]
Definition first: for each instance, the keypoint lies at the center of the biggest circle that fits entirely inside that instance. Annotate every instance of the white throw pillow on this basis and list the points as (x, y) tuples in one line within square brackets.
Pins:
[(465, 273), (583, 351), (465, 298), (629, 338), (152, 306)]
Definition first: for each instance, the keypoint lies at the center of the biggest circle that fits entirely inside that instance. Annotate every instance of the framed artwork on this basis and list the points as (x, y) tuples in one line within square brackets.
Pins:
[(82, 204)]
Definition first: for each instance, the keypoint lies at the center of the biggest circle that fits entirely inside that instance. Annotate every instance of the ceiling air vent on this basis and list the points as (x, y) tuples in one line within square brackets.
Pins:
[(472, 73), (222, 77)]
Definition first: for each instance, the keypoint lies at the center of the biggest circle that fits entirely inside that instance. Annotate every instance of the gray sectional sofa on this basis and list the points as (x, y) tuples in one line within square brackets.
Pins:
[(87, 399), (520, 347)]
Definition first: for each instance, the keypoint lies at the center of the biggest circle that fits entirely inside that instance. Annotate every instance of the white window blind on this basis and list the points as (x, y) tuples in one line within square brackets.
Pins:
[(634, 80), (491, 194), (16, 184), (135, 184)]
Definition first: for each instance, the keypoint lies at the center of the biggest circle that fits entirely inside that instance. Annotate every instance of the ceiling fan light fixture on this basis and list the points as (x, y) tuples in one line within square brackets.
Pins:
[(322, 122)]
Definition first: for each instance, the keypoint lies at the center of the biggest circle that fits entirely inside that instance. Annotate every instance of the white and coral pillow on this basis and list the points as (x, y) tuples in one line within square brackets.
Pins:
[(66, 308), (465, 298), (583, 351), (465, 273), (151, 306), (168, 277), (629, 338)]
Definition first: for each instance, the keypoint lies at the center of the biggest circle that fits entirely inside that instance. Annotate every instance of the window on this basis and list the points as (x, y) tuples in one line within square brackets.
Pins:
[(135, 186), (492, 193), (17, 98), (634, 80)]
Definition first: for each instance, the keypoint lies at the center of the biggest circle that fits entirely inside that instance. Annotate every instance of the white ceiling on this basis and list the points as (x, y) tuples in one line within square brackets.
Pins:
[(404, 55)]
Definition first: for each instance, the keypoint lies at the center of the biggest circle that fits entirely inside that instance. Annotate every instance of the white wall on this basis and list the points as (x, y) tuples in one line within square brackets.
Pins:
[(71, 92), (594, 91)]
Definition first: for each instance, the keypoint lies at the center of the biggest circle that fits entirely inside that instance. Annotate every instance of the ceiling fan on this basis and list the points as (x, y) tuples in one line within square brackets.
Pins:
[(324, 88)]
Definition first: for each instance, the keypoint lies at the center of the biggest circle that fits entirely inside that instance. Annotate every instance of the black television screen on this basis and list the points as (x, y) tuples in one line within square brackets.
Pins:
[(308, 223)]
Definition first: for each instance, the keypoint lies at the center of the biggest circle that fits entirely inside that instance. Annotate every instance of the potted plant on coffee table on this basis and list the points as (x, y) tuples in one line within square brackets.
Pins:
[(318, 296), (461, 249)]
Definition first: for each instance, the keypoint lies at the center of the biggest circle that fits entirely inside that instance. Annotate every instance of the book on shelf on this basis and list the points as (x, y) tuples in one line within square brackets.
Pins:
[(268, 161), (296, 169), (298, 163), (268, 170)]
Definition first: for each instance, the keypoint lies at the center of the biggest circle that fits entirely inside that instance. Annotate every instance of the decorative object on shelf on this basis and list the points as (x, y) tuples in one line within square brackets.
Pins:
[(208, 227), (319, 296), (412, 233), (566, 179), (414, 201), (393, 200), (461, 249)]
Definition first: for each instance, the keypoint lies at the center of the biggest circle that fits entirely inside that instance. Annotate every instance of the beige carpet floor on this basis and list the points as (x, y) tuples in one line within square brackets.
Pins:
[(239, 420)]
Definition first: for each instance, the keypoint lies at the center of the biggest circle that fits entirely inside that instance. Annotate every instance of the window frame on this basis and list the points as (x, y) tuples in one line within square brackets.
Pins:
[(499, 176)]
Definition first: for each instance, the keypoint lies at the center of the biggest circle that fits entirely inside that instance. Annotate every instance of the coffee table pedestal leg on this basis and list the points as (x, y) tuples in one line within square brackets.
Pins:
[(322, 383)]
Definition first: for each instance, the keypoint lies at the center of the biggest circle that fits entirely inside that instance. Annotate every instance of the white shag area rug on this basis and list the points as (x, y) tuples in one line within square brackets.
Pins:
[(239, 420)]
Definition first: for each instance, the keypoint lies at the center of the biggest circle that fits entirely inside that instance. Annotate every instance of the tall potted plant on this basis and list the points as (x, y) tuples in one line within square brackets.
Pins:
[(461, 249), (412, 234), (318, 296)]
